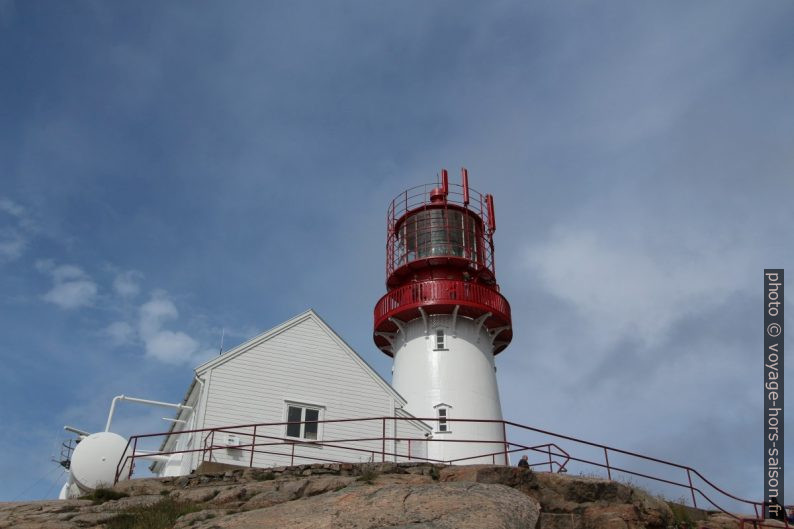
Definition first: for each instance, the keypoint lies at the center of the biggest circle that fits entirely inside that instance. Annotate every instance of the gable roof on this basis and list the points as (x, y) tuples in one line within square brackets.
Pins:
[(289, 324)]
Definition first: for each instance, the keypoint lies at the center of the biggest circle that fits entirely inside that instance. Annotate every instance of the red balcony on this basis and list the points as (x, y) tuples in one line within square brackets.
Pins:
[(440, 296)]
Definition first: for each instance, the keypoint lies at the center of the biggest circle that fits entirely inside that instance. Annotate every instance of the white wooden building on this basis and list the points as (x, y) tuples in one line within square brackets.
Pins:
[(299, 371)]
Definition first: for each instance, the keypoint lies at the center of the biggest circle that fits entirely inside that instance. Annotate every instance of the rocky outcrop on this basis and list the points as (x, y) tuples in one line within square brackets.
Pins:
[(369, 496)]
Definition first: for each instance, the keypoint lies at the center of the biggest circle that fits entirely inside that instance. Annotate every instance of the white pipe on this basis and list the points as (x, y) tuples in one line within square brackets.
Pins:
[(198, 402), (140, 401), (72, 429), (150, 455), (170, 419)]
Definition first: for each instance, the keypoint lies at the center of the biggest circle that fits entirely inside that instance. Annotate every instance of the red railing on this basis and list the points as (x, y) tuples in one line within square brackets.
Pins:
[(376, 447), (441, 293), (417, 198)]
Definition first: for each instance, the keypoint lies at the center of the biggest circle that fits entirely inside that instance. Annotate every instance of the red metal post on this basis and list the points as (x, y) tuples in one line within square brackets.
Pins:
[(212, 444), (253, 443), (465, 177), (491, 214), (504, 437), (691, 488), (551, 468), (606, 457), (444, 182), (132, 461)]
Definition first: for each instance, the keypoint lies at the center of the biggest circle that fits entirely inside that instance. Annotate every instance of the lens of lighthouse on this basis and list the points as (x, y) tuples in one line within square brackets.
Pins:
[(439, 232)]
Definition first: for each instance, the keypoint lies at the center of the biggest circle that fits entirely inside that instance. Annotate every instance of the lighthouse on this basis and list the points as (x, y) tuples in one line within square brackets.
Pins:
[(443, 319)]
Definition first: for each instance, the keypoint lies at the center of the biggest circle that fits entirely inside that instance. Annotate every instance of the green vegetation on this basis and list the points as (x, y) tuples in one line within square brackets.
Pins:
[(161, 515), (102, 494), (263, 476), (681, 517), (434, 473), (368, 475)]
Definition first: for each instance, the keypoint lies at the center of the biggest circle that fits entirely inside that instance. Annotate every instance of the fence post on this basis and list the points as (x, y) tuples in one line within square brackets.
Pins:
[(253, 443), (383, 442), (132, 461), (548, 449), (212, 444), (606, 457), (292, 458), (691, 489), (409, 449), (504, 438)]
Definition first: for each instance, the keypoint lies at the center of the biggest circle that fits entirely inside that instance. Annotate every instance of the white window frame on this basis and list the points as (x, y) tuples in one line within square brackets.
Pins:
[(303, 407), (440, 345), (443, 426)]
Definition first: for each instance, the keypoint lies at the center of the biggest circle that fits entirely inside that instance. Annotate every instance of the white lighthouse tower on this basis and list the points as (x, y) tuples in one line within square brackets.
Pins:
[(443, 319)]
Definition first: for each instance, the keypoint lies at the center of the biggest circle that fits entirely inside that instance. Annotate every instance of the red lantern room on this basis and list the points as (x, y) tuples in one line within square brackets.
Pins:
[(440, 260)]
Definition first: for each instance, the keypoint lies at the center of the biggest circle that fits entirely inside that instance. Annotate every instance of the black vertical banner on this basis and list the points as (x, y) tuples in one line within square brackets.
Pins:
[(773, 392)]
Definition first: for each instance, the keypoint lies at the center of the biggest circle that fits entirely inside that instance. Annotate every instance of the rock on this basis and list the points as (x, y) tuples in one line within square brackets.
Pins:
[(325, 484), (91, 519), (559, 521), (436, 506), (722, 521), (190, 520), (412, 495)]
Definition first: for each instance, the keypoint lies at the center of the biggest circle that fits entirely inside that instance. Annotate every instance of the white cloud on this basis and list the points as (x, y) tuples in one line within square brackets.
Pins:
[(11, 207), (155, 312), (622, 287), (172, 347), (72, 287), (12, 244), (126, 283), (120, 332), (15, 234)]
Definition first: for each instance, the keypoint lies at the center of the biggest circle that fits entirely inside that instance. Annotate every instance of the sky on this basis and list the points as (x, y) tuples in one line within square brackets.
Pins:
[(174, 171)]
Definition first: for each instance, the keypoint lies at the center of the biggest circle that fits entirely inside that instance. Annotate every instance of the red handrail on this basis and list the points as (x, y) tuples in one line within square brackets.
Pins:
[(259, 440)]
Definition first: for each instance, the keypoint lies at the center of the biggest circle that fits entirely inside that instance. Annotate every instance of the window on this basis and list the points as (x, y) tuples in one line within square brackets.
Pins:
[(440, 340), (442, 420), (303, 422)]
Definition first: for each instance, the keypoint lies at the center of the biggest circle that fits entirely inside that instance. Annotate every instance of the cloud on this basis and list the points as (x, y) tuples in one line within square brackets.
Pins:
[(624, 288), (15, 230), (12, 244), (126, 284), (172, 347), (72, 288), (120, 332)]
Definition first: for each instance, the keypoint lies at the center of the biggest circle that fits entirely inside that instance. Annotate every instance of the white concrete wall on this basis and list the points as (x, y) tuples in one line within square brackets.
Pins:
[(463, 377)]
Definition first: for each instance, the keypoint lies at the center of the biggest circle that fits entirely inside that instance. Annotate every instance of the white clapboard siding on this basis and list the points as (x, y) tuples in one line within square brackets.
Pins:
[(301, 361)]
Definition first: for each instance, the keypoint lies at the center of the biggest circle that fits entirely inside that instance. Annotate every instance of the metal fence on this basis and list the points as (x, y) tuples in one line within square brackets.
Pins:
[(546, 456)]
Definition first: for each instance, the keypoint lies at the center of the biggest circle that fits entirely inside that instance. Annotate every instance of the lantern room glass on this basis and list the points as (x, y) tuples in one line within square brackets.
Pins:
[(439, 232)]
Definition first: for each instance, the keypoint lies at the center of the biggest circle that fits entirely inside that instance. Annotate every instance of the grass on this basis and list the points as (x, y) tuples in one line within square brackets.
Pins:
[(434, 473), (263, 476), (368, 475), (681, 518), (161, 515), (101, 495)]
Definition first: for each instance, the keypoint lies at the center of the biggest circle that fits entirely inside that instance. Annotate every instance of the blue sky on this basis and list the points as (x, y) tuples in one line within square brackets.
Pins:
[(169, 170)]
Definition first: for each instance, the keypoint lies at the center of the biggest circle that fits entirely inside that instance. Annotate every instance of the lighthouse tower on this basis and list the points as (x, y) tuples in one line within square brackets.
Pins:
[(443, 319)]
